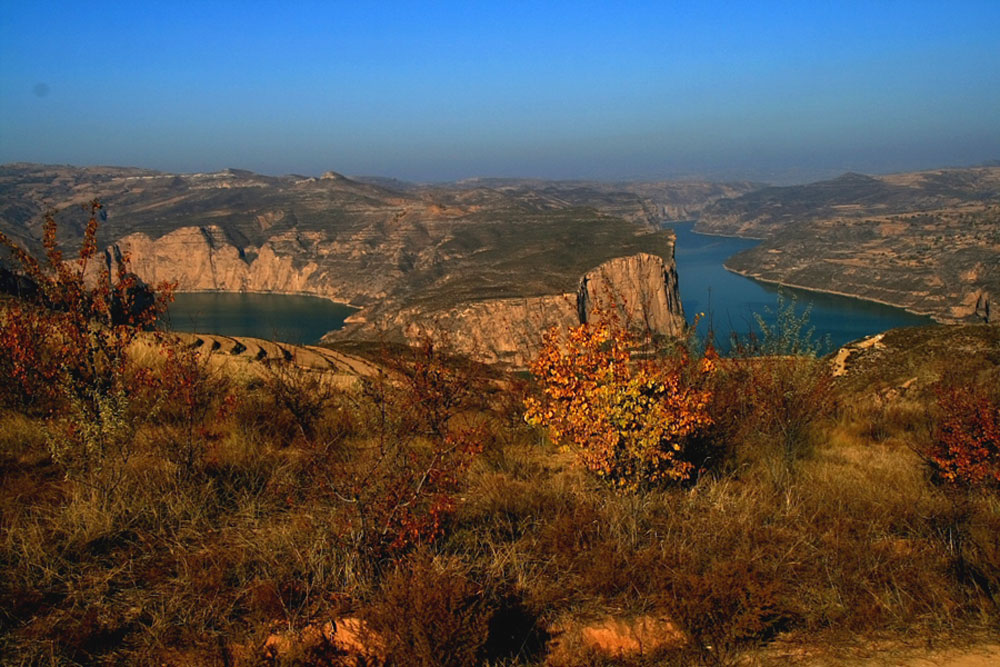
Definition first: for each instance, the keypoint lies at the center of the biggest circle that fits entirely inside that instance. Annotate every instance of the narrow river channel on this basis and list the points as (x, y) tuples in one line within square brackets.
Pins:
[(729, 301)]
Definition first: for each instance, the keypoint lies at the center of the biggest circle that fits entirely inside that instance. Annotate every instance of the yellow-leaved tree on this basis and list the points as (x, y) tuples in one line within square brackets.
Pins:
[(627, 413)]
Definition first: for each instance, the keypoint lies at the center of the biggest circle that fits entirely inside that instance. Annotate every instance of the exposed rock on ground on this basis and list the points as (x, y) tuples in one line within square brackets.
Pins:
[(613, 638), (346, 642)]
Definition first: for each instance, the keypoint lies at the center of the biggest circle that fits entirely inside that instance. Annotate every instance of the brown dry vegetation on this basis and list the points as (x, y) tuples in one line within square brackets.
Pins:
[(255, 510), (826, 533)]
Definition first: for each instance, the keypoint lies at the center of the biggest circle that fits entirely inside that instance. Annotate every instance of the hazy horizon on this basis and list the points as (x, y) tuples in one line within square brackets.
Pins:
[(779, 92)]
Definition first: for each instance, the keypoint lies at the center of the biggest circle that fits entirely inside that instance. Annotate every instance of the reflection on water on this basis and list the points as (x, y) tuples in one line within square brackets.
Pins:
[(292, 319), (730, 300)]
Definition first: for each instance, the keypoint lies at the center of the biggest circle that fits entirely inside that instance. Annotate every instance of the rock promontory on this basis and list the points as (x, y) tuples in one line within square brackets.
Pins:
[(642, 289)]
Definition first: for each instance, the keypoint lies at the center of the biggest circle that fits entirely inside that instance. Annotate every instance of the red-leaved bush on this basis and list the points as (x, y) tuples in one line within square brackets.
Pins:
[(65, 351), (966, 446)]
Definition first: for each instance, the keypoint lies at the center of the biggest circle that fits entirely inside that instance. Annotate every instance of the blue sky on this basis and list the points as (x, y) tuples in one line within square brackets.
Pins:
[(432, 91)]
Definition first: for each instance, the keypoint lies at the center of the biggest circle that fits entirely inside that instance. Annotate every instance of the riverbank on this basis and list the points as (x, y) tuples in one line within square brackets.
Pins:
[(848, 295), (731, 302)]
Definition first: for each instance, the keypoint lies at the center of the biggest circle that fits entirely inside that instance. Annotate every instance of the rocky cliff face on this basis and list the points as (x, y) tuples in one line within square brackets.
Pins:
[(642, 288), (507, 331), (984, 309), (206, 259)]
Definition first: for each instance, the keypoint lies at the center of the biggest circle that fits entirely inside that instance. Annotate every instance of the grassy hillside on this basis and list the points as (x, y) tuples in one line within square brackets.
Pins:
[(263, 513)]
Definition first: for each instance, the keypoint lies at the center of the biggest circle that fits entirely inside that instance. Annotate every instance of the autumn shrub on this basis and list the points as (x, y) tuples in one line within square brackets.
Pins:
[(627, 416), (966, 443), (769, 406), (192, 397), (31, 361), (430, 613), (397, 480), (300, 397), (74, 328)]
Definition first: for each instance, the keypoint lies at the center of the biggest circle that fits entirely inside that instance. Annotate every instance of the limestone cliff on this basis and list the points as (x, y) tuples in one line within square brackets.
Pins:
[(642, 287), (492, 331), (204, 259)]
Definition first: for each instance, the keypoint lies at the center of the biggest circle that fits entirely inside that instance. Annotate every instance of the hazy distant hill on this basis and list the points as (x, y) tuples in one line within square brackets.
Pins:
[(648, 202), (766, 211), (928, 241)]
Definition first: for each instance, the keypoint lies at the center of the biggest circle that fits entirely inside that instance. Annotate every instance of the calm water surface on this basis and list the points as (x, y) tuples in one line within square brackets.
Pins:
[(292, 319), (729, 300)]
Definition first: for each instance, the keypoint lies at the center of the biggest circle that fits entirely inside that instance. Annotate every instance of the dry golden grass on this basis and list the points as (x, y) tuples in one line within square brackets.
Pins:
[(834, 536)]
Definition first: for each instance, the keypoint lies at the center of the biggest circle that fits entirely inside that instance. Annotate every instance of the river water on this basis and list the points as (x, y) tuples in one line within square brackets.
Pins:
[(729, 301), (288, 318)]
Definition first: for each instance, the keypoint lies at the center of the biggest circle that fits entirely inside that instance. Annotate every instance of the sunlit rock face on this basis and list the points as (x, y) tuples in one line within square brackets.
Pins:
[(641, 288), (203, 259)]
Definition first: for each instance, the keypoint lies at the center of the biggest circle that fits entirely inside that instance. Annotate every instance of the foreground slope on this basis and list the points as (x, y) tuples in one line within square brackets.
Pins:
[(260, 547)]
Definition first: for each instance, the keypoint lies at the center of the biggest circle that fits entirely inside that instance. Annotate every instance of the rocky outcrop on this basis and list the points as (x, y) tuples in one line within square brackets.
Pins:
[(575, 641), (984, 309), (492, 331), (205, 259), (641, 288)]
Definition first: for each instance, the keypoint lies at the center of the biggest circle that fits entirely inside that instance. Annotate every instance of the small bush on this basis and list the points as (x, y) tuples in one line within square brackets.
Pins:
[(399, 477), (790, 334), (769, 406), (300, 396), (966, 447), (430, 613), (628, 419), (193, 397), (73, 330)]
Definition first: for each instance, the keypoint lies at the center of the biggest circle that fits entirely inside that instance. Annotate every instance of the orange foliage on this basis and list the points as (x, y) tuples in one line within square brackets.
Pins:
[(628, 418), (966, 447)]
